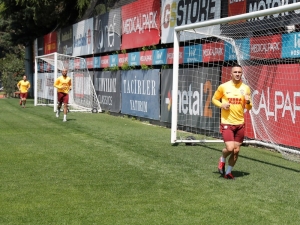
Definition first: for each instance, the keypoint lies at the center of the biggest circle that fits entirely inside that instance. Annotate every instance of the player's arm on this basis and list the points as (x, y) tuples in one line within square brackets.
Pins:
[(57, 83), (70, 85), (216, 99), (248, 101), (28, 86), (18, 85)]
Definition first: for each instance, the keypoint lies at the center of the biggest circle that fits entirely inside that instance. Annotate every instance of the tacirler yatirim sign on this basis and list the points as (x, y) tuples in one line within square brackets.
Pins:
[(107, 31), (180, 12)]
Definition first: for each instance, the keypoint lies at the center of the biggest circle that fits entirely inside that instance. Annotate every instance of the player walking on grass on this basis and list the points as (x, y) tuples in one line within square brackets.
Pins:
[(23, 86), (63, 85), (232, 97)]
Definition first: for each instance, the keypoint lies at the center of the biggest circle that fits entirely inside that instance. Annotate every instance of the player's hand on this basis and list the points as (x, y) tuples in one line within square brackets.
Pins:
[(225, 106), (247, 97)]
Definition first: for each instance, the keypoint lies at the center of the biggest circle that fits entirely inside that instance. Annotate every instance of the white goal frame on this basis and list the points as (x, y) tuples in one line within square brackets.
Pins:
[(176, 45), (92, 104)]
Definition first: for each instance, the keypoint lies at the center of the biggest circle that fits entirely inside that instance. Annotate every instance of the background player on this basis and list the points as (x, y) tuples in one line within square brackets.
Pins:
[(63, 85), (23, 86)]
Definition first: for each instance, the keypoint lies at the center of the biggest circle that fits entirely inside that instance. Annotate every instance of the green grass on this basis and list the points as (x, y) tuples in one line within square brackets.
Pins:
[(102, 169)]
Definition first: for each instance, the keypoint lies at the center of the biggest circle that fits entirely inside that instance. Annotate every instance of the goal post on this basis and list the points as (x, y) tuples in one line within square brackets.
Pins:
[(48, 68), (266, 44)]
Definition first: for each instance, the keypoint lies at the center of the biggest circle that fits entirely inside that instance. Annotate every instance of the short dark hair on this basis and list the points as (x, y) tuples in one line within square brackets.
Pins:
[(237, 65)]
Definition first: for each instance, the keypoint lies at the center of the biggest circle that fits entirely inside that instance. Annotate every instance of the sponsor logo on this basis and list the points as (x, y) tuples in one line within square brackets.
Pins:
[(265, 47), (140, 23), (83, 39), (179, 12)]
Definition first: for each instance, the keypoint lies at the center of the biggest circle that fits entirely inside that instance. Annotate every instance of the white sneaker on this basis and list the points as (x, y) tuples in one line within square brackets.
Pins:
[(57, 113), (64, 120)]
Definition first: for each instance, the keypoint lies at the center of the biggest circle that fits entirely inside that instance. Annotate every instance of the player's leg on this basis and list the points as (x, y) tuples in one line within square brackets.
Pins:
[(65, 101), (239, 132), (22, 95), (228, 137), (24, 99), (59, 103)]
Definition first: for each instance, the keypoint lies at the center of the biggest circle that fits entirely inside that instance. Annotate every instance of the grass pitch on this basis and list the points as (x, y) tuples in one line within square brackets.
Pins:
[(101, 169)]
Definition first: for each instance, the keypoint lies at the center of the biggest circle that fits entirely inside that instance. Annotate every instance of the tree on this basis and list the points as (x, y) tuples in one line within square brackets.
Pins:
[(12, 69), (27, 20)]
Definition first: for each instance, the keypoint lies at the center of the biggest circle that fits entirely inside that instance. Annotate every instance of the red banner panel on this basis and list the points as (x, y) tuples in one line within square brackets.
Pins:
[(89, 62), (236, 7), (104, 61), (77, 63), (50, 43), (140, 24), (213, 52), (122, 58), (276, 102), (265, 47), (146, 58), (170, 55)]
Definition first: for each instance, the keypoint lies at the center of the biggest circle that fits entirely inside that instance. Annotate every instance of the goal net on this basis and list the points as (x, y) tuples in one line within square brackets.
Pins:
[(82, 97), (267, 46)]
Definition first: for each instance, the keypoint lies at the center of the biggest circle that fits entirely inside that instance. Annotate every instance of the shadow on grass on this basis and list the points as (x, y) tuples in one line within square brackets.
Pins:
[(257, 160), (236, 174)]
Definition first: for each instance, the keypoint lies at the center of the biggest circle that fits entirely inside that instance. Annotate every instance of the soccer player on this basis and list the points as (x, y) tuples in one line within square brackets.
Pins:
[(232, 97), (23, 86), (63, 85)]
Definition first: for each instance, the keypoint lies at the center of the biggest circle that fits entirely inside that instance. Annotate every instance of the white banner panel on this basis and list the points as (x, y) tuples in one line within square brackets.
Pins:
[(179, 12), (83, 37)]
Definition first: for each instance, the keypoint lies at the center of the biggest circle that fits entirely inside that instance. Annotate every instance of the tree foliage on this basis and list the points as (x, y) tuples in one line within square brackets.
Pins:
[(12, 70), (27, 20)]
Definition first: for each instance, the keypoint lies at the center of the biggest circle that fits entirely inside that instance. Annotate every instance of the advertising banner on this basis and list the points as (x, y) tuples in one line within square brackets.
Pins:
[(291, 45), (107, 87), (159, 57), (45, 89), (213, 52), (96, 62), (195, 92), (166, 95), (104, 61), (141, 93), (192, 54), (262, 23), (65, 40), (81, 88), (265, 47), (50, 43), (40, 46), (243, 46), (146, 57), (83, 38), (170, 54), (178, 12), (122, 58), (107, 31), (89, 62), (113, 60), (134, 58), (140, 24)]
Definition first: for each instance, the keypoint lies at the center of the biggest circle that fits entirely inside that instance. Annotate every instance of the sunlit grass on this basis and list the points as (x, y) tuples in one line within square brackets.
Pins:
[(102, 169)]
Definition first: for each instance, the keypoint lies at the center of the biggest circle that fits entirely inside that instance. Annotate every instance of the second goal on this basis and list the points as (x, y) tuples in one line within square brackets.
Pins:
[(48, 67)]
